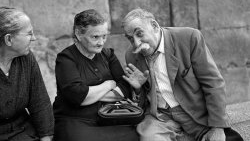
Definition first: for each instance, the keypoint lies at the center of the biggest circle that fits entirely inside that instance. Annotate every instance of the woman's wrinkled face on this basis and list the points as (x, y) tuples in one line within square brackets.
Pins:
[(20, 41), (142, 35), (93, 39)]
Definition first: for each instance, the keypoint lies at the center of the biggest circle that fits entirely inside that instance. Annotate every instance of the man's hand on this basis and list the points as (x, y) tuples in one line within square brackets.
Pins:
[(135, 77), (214, 134)]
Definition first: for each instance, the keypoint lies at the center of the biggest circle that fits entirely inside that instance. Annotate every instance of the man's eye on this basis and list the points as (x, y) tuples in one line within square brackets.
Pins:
[(139, 34), (95, 37), (104, 36), (131, 39)]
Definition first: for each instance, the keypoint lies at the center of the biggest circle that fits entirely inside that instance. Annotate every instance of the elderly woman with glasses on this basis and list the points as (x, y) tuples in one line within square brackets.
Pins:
[(88, 75), (25, 108)]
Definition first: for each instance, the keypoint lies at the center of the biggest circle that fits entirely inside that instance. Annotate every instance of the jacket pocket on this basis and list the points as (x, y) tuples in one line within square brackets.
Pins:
[(190, 79)]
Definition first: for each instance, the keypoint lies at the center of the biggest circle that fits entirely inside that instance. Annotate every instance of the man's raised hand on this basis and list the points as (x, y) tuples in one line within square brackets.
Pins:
[(134, 76)]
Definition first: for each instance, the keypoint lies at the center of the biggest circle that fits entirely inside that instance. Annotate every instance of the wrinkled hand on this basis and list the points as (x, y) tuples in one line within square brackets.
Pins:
[(134, 76), (214, 134)]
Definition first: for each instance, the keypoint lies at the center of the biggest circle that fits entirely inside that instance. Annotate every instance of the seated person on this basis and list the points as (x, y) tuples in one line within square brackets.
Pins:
[(22, 89), (187, 91), (87, 75)]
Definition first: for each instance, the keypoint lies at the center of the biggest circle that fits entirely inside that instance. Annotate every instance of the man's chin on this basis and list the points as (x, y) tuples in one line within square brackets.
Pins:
[(145, 54)]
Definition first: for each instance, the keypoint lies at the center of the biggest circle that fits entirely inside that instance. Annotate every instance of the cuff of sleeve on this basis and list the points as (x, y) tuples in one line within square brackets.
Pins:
[(117, 91)]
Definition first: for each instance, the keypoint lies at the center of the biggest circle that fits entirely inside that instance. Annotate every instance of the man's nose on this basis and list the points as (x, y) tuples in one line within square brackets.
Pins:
[(33, 37), (137, 42)]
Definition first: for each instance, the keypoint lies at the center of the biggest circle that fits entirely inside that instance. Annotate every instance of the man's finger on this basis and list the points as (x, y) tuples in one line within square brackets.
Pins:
[(125, 78), (127, 74), (132, 67), (128, 70), (146, 73)]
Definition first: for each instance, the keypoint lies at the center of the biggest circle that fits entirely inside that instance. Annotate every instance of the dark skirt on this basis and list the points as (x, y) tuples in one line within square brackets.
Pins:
[(78, 130), (18, 130)]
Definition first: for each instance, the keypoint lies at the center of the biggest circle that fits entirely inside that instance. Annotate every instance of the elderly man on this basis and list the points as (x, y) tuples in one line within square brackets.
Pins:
[(173, 67)]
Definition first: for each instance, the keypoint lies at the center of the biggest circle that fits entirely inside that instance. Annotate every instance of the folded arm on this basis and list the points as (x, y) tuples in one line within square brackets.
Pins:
[(100, 92)]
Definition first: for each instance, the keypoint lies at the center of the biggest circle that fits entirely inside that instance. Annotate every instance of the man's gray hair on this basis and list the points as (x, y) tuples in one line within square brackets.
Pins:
[(137, 13)]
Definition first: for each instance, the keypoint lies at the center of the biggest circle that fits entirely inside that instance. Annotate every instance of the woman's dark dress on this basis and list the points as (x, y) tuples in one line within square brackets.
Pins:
[(24, 88), (74, 74)]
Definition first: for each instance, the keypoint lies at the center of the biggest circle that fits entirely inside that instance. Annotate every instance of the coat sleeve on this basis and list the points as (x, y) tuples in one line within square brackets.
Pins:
[(117, 72), (210, 79), (69, 82), (39, 106)]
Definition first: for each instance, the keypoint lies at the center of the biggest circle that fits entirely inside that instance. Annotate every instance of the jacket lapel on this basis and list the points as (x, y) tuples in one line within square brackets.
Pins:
[(172, 62)]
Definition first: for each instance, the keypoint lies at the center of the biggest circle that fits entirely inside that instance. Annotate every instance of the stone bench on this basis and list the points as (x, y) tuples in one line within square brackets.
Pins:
[(239, 115)]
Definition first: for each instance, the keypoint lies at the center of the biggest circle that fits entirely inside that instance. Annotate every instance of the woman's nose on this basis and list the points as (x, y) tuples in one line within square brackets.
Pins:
[(101, 41)]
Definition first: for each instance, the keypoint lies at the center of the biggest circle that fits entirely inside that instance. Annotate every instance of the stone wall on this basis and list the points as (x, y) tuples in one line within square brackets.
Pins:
[(224, 24)]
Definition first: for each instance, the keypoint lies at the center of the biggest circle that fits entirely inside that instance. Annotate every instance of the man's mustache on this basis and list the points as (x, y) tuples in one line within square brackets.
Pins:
[(141, 47)]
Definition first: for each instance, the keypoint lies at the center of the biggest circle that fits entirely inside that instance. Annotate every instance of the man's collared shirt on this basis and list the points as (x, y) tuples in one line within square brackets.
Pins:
[(163, 86)]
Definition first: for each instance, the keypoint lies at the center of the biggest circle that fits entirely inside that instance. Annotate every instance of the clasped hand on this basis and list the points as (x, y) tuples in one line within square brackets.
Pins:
[(134, 76)]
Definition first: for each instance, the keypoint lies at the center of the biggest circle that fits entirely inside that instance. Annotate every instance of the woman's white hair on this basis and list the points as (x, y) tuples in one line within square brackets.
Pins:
[(9, 21)]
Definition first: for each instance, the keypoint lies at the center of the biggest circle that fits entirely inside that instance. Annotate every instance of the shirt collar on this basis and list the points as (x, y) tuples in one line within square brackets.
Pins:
[(161, 45)]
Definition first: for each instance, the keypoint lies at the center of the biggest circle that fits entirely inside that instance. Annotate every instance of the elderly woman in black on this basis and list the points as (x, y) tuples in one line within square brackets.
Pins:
[(25, 108), (87, 75)]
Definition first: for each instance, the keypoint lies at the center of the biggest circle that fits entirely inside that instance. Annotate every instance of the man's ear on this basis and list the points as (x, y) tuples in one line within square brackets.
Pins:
[(155, 25), (7, 39)]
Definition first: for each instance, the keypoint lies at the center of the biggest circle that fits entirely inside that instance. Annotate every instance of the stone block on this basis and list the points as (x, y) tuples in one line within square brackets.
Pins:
[(230, 47), (239, 112), (54, 47), (49, 79), (120, 44), (54, 18), (224, 13), (185, 13), (239, 115), (39, 47), (237, 84), (4, 3), (119, 8), (243, 129)]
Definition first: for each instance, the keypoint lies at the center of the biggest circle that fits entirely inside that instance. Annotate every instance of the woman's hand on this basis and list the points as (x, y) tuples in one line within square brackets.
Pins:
[(111, 84), (46, 138), (135, 77), (111, 97), (98, 91)]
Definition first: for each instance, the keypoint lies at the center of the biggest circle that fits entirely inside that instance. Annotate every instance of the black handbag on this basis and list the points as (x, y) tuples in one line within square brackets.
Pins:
[(124, 112)]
